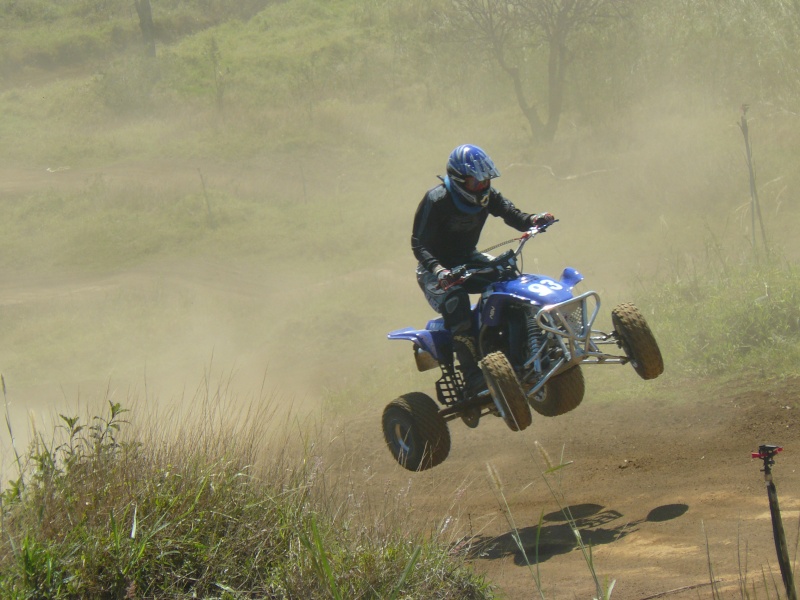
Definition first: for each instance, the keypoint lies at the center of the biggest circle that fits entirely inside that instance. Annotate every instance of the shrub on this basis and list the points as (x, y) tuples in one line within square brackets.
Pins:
[(99, 516)]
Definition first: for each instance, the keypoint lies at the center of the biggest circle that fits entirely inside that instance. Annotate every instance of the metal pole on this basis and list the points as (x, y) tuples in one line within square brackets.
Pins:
[(767, 453)]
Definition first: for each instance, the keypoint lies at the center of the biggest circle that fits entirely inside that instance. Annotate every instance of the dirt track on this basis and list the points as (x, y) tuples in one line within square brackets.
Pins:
[(656, 487), (658, 482), (660, 478)]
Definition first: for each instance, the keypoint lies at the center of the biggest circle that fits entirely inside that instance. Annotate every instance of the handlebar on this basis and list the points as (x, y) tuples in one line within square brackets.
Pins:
[(498, 264)]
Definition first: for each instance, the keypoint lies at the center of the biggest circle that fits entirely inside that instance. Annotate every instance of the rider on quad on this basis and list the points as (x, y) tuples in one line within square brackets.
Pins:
[(447, 226)]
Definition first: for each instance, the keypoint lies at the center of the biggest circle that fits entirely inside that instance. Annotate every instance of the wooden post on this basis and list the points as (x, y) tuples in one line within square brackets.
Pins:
[(755, 208), (146, 24)]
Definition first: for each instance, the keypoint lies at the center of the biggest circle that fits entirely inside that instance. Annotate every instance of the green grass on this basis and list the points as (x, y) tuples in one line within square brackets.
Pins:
[(717, 315), (104, 225), (105, 511), (333, 119)]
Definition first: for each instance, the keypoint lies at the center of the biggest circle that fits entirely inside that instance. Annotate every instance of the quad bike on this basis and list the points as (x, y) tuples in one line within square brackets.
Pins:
[(533, 336)]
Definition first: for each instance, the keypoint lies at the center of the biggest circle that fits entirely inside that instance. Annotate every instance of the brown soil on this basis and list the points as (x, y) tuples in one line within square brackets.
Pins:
[(660, 483), (659, 488)]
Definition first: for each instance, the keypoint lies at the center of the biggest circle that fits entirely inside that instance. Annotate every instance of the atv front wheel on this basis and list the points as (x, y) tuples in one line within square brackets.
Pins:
[(506, 391), (560, 394), (637, 341), (415, 432)]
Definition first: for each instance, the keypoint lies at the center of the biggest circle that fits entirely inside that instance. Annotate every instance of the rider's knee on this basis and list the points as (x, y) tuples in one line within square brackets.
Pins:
[(456, 312)]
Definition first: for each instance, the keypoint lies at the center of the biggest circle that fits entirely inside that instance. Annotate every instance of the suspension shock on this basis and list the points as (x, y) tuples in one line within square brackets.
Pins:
[(536, 339)]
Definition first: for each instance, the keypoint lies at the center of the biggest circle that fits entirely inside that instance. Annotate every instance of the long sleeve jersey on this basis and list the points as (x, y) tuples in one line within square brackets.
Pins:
[(445, 236)]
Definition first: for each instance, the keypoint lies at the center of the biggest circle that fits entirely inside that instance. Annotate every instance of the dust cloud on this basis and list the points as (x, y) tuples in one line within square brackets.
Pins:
[(292, 297)]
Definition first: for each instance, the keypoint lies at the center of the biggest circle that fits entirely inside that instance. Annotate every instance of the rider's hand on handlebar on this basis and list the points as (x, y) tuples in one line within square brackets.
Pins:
[(448, 278), (542, 220)]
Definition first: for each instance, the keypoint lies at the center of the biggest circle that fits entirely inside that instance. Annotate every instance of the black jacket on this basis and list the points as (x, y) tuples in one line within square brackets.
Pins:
[(444, 235)]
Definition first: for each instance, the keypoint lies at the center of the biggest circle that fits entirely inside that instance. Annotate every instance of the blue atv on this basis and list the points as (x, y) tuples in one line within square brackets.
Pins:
[(534, 334)]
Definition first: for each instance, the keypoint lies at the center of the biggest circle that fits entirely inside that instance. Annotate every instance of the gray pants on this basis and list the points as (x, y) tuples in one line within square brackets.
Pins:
[(453, 304)]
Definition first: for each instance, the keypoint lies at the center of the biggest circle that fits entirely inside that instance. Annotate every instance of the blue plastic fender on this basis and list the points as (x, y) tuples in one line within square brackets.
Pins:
[(429, 340)]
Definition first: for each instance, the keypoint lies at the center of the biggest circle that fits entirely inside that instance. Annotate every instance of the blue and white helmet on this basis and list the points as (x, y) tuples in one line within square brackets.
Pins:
[(470, 171)]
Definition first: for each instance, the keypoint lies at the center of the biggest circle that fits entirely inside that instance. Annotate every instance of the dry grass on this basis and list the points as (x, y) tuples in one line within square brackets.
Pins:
[(200, 505)]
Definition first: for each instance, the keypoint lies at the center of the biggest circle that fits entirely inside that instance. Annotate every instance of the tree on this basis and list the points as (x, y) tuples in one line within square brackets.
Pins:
[(507, 27), (146, 24)]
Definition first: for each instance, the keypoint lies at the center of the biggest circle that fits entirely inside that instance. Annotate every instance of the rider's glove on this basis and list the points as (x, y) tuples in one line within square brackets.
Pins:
[(542, 220), (447, 278)]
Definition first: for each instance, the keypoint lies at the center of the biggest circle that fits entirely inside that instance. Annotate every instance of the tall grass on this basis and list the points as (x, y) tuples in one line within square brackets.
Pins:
[(550, 474), (102, 508), (719, 313)]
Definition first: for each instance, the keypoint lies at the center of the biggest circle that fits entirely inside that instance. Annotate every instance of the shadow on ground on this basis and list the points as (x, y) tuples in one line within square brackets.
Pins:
[(556, 533)]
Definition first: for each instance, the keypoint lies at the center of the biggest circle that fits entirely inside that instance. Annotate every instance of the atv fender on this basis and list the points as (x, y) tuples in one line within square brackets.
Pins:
[(492, 312), (570, 278), (430, 341)]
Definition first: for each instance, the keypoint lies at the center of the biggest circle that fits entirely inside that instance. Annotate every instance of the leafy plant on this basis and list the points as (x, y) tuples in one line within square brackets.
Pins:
[(103, 514)]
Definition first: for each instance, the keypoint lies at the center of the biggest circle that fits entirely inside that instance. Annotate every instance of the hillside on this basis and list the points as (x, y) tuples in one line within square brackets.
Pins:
[(236, 211)]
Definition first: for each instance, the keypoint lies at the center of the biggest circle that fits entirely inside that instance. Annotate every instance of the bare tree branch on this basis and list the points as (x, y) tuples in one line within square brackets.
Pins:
[(498, 24)]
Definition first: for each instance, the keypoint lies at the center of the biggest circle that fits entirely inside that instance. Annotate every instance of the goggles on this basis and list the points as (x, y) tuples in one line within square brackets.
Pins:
[(473, 185)]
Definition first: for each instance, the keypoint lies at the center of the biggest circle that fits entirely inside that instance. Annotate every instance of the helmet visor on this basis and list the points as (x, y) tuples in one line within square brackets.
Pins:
[(472, 184)]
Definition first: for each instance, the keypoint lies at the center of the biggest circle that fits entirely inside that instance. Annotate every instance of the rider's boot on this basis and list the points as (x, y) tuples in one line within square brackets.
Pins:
[(466, 348)]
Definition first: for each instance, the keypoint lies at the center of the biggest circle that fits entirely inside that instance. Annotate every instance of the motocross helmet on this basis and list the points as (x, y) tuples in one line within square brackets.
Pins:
[(469, 175)]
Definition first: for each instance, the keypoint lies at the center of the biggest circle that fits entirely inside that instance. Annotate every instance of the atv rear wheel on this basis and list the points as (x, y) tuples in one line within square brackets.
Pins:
[(506, 390), (560, 394), (415, 432), (637, 341)]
